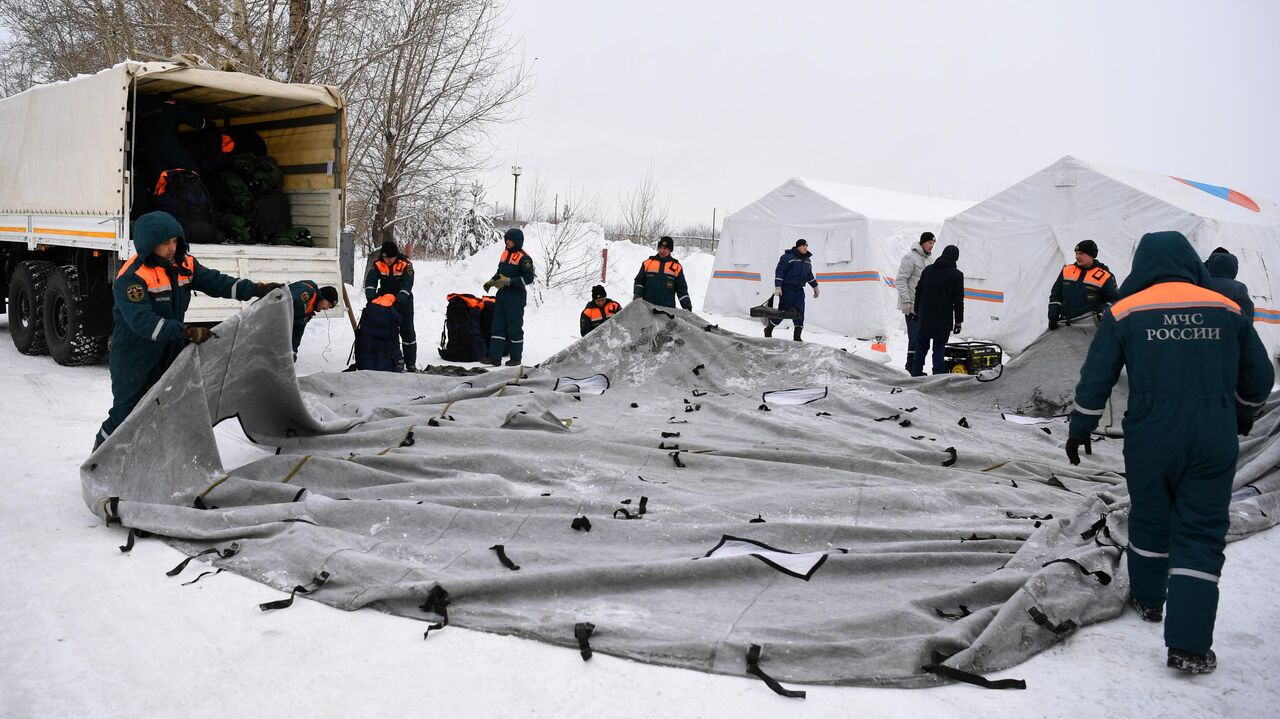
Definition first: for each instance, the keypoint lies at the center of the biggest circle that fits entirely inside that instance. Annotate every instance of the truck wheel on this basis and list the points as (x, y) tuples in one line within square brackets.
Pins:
[(64, 322), (26, 301)]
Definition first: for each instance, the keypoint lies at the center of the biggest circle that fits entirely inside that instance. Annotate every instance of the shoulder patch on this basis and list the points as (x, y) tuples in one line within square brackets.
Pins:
[(306, 295), (135, 292), (527, 261)]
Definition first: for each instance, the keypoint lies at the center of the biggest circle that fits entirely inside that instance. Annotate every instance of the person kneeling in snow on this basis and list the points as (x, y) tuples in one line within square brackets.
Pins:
[(152, 293), (599, 309), (307, 300), (795, 270), (1198, 376), (515, 273), (661, 279)]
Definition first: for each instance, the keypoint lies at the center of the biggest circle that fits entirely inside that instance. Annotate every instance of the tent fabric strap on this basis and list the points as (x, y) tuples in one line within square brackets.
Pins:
[(753, 668), (316, 583)]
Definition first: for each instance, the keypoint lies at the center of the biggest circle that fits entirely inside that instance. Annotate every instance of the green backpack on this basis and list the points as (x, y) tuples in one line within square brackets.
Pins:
[(296, 236), (231, 194), (233, 227), (262, 173)]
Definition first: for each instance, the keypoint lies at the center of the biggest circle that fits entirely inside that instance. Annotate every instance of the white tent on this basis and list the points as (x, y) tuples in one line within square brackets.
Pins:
[(1014, 244), (857, 235)]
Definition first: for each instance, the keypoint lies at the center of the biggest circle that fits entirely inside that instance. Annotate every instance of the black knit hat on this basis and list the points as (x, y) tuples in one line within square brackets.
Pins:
[(926, 237), (598, 291), (389, 249), (1222, 250), (330, 295), (1089, 247), (666, 242)]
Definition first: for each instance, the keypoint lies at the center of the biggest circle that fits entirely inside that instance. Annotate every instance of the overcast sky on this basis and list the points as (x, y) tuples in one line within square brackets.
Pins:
[(957, 99)]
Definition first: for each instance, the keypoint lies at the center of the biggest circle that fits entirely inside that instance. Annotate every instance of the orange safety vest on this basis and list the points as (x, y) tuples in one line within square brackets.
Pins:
[(1095, 276), (475, 303), (652, 266), (598, 314), (395, 269), (385, 300), (512, 258), (155, 278)]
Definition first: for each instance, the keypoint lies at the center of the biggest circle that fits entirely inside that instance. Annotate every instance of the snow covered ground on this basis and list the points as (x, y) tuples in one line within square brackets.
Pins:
[(89, 631)]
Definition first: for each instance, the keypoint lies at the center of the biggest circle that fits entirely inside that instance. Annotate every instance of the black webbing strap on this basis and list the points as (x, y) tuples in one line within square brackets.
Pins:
[(674, 445), (890, 418), (133, 533), (582, 631), (764, 408), (669, 435), (111, 510), (227, 553), (581, 524), (699, 368), (699, 393), (1062, 629), (202, 575), (315, 584), (660, 312), (644, 505), (951, 451), (1015, 515), (970, 678), (1094, 528), (964, 612), (964, 422), (298, 497), (625, 514), (502, 557), (753, 668), (1103, 578), (436, 602), (675, 457), (758, 520), (408, 439)]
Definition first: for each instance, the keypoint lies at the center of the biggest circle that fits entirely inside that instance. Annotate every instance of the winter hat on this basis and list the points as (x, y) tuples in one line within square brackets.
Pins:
[(598, 291), (926, 237), (389, 249), (666, 242), (1089, 247), (515, 235), (802, 241), (330, 295), (951, 252), (1223, 250)]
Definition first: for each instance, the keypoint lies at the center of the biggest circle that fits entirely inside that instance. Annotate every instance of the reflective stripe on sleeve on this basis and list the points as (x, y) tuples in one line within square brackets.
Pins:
[(1194, 574), (1075, 407), (1144, 553), (156, 332)]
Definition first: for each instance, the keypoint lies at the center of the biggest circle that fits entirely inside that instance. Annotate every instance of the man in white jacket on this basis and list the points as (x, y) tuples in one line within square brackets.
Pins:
[(913, 263)]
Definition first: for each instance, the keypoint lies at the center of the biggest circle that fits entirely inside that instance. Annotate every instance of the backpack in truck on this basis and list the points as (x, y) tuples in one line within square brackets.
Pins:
[(234, 228), (296, 236), (261, 172), (465, 336), (271, 215), (231, 194), (182, 194)]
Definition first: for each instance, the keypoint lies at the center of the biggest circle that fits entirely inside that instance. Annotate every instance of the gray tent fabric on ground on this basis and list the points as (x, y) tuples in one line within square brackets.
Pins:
[(840, 544)]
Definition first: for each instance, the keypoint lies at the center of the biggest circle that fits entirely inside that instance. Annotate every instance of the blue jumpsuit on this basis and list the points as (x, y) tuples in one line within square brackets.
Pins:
[(794, 271), (508, 311), (1195, 364), (396, 278)]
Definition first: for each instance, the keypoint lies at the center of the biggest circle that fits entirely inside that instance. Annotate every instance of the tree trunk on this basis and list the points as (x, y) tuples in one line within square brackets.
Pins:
[(298, 59)]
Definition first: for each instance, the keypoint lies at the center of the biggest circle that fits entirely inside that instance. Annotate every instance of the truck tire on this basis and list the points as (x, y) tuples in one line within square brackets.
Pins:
[(64, 321), (26, 305)]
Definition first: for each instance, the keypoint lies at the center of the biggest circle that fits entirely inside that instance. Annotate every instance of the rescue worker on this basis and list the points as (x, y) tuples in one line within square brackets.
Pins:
[(514, 275), (661, 279), (392, 274), (794, 271), (599, 309), (151, 294), (1198, 375), (913, 263), (308, 299), (1223, 266), (1083, 289), (939, 303)]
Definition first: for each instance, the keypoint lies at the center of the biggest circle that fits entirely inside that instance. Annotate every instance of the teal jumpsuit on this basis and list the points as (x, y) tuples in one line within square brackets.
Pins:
[(1195, 364), (508, 311), (396, 278), (151, 299), (305, 294)]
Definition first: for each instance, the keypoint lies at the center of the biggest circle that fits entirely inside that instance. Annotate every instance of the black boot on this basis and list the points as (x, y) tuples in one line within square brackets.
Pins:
[(1148, 614), (796, 334), (514, 363), (768, 330), (1192, 663)]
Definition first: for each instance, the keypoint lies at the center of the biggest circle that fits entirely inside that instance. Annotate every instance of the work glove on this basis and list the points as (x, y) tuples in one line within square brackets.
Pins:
[(1244, 425), (913, 317), (1053, 324), (908, 309), (198, 335), (956, 330), (816, 290), (777, 292), (489, 285), (1073, 448), (262, 289)]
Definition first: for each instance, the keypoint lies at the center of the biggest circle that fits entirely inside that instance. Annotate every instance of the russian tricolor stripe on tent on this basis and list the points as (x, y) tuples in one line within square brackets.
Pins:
[(1235, 197), (1262, 314), (984, 295), (735, 275)]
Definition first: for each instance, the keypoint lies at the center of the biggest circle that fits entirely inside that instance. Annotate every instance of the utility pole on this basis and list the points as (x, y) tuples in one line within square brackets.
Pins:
[(713, 226), (555, 211), (515, 188)]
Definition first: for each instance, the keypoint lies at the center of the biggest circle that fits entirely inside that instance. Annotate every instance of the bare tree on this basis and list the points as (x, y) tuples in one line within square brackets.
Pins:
[(537, 198), (573, 253), (643, 214)]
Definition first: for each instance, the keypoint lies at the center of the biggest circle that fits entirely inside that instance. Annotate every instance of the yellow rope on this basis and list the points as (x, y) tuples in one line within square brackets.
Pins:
[(295, 469)]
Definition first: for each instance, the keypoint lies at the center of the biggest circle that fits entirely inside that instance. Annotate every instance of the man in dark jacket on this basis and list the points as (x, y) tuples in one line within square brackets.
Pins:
[(599, 309), (940, 308), (794, 271), (151, 295), (308, 299), (661, 279), (1223, 267), (392, 274), (1083, 289), (514, 275), (1198, 375)]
